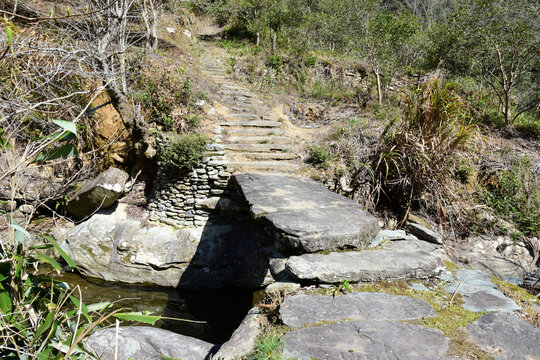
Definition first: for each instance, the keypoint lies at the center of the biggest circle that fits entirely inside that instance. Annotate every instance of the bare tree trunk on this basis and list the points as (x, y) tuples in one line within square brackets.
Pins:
[(379, 89), (273, 37), (150, 18)]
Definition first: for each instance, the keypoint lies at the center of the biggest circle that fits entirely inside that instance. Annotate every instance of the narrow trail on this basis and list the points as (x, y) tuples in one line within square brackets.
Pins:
[(255, 136)]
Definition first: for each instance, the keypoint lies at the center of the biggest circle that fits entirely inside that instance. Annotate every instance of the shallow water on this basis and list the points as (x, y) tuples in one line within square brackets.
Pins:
[(222, 310)]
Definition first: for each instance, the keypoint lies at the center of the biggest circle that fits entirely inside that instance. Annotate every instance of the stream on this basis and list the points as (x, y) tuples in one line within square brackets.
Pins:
[(222, 310)]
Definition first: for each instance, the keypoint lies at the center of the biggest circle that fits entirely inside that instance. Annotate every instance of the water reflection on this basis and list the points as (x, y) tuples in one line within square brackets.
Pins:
[(222, 309)]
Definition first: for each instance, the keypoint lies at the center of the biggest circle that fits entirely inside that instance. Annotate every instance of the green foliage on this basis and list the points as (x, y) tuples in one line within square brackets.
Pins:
[(184, 151), (320, 156), (40, 317), (268, 346), (418, 153), (515, 194), (160, 93)]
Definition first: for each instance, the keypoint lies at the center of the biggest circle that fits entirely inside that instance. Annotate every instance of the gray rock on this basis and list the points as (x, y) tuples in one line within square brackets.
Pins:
[(482, 253), (143, 342), (404, 261), (479, 293), (388, 235), (282, 287), (219, 203), (423, 233), (242, 340), (365, 340), (301, 310), (303, 216), (116, 247), (506, 337), (418, 287), (99, 193)]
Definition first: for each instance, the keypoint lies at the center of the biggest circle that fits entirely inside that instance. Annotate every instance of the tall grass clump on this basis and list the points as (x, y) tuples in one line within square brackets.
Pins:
[(419, 151)]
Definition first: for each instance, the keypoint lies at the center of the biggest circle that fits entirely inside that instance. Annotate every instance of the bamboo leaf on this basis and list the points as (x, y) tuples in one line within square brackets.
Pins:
[(139, 317), (5, 301), (20, 233), (61, 251), (49, 260), (45, 326), (66, 125), (99, 306), (9, 35)]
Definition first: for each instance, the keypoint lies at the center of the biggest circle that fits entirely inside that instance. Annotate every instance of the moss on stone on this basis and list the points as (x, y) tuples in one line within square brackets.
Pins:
[(529, 303)]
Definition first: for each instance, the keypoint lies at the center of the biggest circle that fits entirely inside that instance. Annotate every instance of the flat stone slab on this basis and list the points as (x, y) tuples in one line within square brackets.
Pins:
[(479, 293), (300, 310), (303, 216), (506, 337), (365, 340), (400, 260)]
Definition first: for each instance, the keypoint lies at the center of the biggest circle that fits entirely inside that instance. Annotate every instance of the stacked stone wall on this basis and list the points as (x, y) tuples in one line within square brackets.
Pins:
[(191, 198)]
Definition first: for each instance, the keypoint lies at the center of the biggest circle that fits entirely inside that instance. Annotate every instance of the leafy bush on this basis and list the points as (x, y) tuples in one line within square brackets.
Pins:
[(419, 152), (515, 194), (184, 151), (320, 156)]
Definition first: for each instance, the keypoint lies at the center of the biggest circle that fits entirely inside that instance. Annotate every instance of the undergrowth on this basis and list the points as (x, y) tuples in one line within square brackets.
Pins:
[(183, 151), (514, 194), (268, 345)]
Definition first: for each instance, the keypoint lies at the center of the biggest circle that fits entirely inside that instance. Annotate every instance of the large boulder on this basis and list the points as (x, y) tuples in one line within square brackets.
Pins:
[(500, 256), (99, 193), (303, 216), (143, 342), (123, 245)]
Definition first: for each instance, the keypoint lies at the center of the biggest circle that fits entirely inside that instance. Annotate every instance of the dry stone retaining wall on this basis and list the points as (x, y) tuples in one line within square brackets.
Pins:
[(190, 198)]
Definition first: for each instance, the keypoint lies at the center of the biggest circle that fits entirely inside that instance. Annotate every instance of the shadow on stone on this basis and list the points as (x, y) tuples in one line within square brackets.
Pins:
[(230, 263)]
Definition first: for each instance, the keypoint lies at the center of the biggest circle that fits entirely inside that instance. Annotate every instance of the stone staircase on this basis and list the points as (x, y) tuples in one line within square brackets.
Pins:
[(254, 138)]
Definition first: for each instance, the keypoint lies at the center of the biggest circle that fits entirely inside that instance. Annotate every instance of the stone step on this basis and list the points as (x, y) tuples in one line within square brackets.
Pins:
[(304, 216), (258, 147), (274, 166), (253, 123), (235, 88), (399, 260), (254, 132), (237, 93), (259, 139), (241, 101), (240, 109), (242, 116), (268, 156)]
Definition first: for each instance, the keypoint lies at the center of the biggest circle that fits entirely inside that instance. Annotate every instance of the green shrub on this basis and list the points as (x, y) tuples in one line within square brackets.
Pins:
[(184, 151), (320, 156), (515, 194)]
